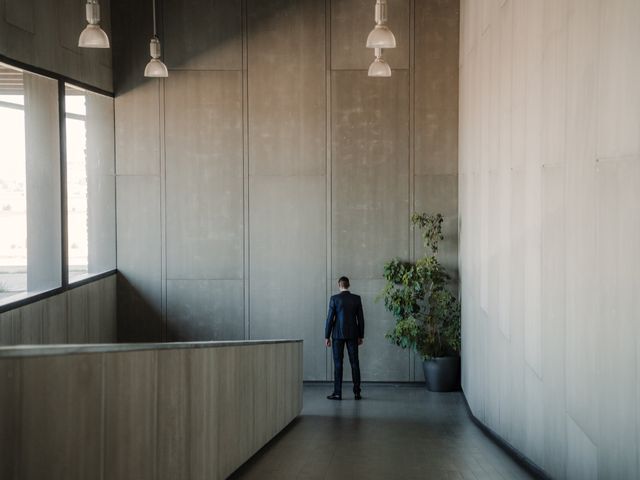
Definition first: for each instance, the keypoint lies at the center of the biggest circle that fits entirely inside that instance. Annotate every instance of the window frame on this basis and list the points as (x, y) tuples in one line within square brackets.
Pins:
[(26, 298)]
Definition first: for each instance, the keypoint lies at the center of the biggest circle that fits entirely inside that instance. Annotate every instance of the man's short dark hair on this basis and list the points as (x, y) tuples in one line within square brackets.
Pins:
[(343, 282)]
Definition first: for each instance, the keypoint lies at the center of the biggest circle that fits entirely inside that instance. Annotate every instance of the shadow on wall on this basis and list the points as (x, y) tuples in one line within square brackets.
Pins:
[(199, 32), (138, 319)]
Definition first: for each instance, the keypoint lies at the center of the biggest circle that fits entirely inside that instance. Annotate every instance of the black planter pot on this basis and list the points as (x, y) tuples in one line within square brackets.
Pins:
[(442, 374)]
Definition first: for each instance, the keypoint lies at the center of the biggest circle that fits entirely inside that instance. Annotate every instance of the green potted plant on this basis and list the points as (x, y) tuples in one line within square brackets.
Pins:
[(426, 312)]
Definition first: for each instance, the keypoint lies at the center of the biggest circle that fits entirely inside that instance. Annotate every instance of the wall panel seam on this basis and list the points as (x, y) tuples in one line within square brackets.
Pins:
[(206, 279), (395, 69), (138, 175), (412, 153), (174, 69), (328, 171), (246, 250), (163, 211), (277, 175)]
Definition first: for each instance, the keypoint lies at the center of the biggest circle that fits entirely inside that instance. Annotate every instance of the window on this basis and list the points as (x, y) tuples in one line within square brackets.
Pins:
[(32, 232), (90, 183), (30, 227)]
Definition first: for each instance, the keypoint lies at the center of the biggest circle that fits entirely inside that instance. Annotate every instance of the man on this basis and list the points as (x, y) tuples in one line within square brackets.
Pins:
[(345, 324)]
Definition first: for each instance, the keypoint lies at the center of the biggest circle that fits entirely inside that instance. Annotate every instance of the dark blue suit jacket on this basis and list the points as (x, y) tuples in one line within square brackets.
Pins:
[(345, 318)]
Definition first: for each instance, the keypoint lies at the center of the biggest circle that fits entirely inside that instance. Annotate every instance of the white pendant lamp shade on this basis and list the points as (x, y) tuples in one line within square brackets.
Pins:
[(379, 67), (381, 36), (93, 36), (155, 68)]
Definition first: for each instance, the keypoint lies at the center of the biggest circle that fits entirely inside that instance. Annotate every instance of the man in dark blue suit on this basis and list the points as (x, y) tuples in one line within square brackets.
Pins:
[(345, 324)]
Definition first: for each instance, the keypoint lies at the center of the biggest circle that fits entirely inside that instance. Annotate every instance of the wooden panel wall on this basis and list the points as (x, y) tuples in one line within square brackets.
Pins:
[(86, 314), (189, 413)]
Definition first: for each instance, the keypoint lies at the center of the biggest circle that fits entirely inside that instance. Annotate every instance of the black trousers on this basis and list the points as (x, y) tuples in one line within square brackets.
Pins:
[(338, 356)]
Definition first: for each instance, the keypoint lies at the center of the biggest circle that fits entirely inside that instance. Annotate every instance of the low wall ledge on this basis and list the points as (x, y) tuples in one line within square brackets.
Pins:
[(21, 351)]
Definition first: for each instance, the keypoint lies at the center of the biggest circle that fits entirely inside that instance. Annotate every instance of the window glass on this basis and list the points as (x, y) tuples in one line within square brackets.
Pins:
[(90, 183), (30, 245)]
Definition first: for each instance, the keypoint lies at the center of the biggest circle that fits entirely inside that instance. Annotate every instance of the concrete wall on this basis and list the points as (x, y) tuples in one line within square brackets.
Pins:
[(122, 412), (549, 231), (44, 33), (85, 314), (268, 164)]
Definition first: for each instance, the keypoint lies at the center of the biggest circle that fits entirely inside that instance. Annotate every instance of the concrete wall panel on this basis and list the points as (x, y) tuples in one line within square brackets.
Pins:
[(204, 175), (370, 154), (437, 28), (139, 125), (131, 51), (203, 35), (139, 257), (288, 263), (137, 120), (190, 317), (286, 89), (379, 359)]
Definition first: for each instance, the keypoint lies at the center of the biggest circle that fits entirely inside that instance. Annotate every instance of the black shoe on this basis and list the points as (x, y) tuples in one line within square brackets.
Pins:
[(358, 396), (334, 396)]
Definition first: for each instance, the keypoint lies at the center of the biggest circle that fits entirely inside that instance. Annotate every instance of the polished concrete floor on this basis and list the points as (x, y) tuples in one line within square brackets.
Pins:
[(395, 432)]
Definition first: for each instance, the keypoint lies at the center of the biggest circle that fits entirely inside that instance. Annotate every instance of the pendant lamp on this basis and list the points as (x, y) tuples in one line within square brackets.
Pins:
[(93, 36), (155, 68), (379, 67), (381, 36)]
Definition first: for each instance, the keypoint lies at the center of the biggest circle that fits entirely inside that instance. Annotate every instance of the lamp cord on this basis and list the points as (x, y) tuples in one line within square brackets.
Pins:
[(153, 2)]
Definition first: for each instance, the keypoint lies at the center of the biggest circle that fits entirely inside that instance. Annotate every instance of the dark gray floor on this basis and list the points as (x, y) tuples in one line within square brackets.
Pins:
[(395, 432)]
